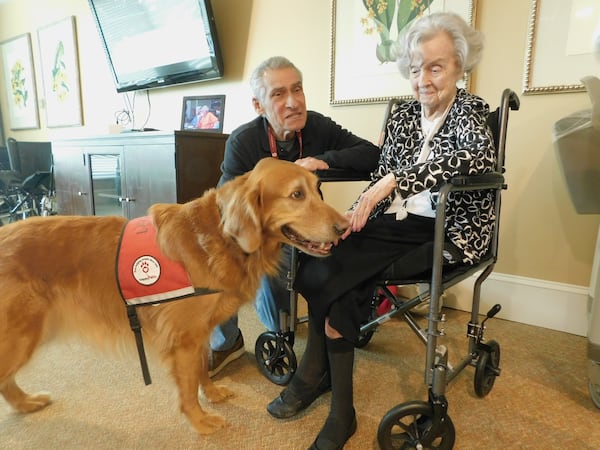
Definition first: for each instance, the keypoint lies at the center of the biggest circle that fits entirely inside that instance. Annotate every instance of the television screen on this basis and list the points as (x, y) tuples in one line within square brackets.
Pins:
[(157, 43)]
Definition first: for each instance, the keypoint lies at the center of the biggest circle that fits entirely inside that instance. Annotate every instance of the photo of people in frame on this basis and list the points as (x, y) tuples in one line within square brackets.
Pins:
[(203, 113)]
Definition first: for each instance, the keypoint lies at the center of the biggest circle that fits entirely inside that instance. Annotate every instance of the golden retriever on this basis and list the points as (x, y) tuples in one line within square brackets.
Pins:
[(57, 276)]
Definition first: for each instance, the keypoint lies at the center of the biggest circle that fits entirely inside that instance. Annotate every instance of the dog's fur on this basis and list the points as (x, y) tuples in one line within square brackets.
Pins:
[(57, 276)]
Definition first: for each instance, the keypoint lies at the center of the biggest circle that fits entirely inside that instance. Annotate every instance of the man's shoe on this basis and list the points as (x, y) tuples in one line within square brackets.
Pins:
[(217, 360), (290, 403)]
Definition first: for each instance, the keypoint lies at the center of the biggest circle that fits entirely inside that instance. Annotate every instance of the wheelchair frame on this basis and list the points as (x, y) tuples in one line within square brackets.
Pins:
[(419, 424)]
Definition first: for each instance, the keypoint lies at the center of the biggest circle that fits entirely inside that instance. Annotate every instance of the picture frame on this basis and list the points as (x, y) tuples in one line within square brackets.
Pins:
[(2, 136), (20, 85), (362, 69), (213, 108), (60, 73), (560, 46)]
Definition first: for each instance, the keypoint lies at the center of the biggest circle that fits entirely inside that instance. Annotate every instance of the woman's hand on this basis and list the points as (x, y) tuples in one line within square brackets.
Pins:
[(367, 201)]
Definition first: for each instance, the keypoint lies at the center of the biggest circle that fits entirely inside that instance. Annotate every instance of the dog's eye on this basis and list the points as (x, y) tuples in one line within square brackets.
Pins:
[(297, 195)]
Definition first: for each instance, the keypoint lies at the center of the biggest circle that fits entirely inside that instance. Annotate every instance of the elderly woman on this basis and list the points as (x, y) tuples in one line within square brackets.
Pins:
[(440, 134)]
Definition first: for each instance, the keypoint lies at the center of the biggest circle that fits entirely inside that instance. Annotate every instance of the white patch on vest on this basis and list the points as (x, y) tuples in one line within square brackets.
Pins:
[(146, 270)]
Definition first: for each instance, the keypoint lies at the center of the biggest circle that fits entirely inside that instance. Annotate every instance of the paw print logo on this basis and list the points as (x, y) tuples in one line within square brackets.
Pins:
[(146, 270), (145, 267)]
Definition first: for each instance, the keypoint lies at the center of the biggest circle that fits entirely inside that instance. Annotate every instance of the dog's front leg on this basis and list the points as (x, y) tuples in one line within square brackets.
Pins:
[(185, 365), (213, 392)]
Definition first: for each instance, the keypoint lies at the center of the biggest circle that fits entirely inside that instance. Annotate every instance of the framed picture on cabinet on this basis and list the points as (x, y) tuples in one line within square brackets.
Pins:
[(60, 73), (19, 78), (203, 113), (363, 68)]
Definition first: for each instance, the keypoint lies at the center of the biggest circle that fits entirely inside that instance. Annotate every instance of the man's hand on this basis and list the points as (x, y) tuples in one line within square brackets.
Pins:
[(312, 164)]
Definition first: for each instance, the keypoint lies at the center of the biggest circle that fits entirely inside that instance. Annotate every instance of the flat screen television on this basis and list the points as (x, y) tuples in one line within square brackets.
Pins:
[(158, 43)]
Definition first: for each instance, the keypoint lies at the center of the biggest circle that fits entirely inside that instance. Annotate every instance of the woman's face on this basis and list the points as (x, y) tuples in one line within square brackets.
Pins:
[(434, 73), (284, 105)]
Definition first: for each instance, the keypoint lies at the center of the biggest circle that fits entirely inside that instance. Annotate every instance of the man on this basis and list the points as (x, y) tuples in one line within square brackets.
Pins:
[(204, 119), (283, 129)]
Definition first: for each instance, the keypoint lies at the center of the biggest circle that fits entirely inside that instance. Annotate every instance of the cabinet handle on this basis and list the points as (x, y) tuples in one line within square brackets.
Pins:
[(126, 199), (81, 194)]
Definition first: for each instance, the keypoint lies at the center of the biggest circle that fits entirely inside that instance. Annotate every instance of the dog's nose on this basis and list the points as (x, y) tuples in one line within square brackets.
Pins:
[(340, 229)]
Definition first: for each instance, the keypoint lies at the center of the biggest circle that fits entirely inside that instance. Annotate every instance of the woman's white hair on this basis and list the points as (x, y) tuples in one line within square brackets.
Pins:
[(468, 42)]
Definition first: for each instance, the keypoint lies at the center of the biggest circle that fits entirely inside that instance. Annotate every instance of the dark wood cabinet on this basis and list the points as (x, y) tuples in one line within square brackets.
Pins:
[(125, 174)]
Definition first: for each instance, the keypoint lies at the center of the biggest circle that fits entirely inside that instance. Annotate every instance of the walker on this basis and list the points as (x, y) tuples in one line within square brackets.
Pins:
[(577, 142)]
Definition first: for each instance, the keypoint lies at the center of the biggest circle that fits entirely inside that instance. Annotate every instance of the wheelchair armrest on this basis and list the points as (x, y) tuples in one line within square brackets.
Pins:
[(334, 174), (492, 180)]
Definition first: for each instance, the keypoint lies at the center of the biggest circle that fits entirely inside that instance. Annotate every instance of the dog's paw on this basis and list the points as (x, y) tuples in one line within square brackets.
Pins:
[(216, 393), (33, 402), (209, 423)]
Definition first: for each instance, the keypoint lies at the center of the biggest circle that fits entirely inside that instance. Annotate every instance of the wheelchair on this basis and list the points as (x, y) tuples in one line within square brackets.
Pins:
[(22, 199), (418, 424), (27, 184)]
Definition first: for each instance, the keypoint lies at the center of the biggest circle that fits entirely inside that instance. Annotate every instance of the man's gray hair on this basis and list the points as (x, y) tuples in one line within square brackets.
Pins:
[(257, 82), (468, 42)]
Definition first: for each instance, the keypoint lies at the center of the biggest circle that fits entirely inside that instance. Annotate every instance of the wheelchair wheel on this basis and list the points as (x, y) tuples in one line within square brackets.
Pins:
[(408, 426), (275, 358), (487, 368), (365, 337)]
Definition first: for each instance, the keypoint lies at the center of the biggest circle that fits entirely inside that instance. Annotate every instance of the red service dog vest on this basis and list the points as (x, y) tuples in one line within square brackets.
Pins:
[(145, 274)]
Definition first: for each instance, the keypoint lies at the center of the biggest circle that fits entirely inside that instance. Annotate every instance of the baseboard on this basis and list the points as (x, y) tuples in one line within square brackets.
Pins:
[(547, 304)]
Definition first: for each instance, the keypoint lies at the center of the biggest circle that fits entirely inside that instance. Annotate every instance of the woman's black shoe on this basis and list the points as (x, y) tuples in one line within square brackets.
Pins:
[(324, 443), (289, 403)]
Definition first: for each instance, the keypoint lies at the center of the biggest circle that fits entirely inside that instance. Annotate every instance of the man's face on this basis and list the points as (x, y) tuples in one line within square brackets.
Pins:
[(284, 105)]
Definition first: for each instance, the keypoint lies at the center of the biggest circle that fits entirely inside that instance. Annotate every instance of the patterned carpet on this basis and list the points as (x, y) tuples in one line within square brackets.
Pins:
[(540, 400)]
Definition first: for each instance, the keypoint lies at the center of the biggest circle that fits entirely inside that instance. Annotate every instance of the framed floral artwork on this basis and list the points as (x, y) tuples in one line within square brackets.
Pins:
[(2, 138), (560, 45), (19, 79), (363, 68), (60, 73)]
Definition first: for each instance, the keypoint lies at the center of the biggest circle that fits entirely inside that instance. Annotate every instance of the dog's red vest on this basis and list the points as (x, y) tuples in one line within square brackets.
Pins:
[(144, 273), (146, 276)]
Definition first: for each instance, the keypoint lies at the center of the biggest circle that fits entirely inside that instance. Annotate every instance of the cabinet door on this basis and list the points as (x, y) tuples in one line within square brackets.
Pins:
[(106, 171), (72, 181), (149, 177)]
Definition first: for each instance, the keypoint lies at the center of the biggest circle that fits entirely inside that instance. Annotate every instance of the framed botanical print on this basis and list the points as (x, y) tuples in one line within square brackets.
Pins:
[(363, 68), (60, 73), (20, 87)]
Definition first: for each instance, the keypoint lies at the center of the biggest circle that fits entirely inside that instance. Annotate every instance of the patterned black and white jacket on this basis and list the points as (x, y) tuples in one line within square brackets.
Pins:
[(462, 146)]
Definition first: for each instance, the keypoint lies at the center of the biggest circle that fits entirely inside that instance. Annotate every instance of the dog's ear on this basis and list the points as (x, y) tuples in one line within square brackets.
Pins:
[(239, 203)]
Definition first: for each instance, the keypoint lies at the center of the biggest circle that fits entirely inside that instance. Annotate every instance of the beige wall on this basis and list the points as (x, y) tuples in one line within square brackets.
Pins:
[(541, 236)]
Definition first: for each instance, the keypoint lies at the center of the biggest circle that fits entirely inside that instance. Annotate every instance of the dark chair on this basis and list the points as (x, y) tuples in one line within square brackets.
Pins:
[(4, 160), (28, 182)]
